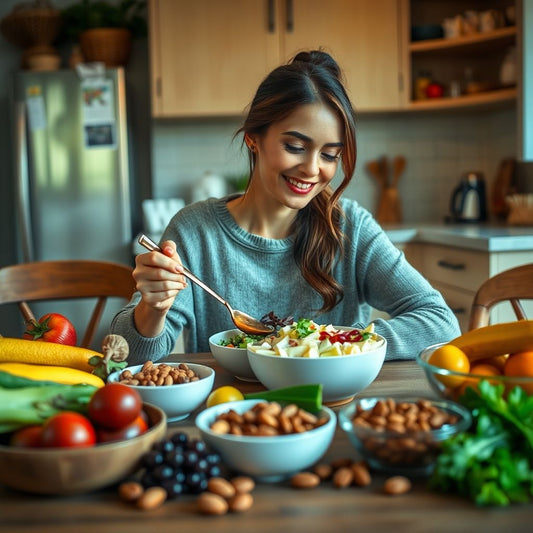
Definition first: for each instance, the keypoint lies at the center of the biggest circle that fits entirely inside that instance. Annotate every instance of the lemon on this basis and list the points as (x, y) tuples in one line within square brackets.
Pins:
[(450, 357), (223, 395)]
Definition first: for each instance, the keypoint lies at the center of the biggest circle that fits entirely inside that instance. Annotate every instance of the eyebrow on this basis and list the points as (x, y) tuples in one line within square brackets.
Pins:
[(305, 138)]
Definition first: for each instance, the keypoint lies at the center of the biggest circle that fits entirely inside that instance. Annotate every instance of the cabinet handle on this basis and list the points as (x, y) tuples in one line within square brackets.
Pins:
[(271, 17), (290, 16), (451, 266)]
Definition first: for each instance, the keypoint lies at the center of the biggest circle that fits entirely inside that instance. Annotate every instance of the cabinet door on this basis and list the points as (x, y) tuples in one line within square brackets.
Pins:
[(207, 58), (362, 36)]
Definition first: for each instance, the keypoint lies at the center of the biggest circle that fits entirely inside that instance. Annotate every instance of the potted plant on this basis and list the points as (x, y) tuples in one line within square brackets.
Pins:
[(104, 30)]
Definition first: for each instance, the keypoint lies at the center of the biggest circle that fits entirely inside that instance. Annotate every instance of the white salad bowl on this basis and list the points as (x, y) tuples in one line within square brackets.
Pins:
[(234, 360), (342, 376)]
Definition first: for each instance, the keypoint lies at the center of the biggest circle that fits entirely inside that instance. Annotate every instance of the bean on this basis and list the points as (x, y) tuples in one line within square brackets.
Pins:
[(305, 480)]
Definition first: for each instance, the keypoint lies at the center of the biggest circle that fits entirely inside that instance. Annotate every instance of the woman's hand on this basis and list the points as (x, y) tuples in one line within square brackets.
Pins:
[(159, 279)]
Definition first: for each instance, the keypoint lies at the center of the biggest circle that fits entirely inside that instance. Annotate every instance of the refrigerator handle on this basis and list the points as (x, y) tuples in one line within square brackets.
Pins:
[(22, 183)]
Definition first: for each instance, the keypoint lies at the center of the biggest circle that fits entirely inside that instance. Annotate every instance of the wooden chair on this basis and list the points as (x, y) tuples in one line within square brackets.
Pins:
[(511, 285), (64, 280)]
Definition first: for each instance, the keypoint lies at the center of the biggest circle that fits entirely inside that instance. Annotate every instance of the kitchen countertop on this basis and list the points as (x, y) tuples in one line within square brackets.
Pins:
[(277, 507), (485, 238)]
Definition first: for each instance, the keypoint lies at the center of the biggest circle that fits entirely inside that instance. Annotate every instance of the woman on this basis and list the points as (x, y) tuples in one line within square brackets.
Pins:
[(289, 244)]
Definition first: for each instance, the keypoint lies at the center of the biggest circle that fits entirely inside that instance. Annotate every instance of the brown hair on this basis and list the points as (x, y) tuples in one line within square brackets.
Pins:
[(308, 78)]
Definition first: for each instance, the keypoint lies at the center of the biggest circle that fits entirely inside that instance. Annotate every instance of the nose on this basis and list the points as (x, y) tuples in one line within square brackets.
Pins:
[(311, 165)]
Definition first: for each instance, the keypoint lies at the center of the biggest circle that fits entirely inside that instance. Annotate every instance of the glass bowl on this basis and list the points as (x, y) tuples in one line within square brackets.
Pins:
[(451, 385), (393, 435)]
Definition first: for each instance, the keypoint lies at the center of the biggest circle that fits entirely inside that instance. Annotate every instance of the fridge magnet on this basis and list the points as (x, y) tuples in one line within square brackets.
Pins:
[(35, 108), (99, 123)]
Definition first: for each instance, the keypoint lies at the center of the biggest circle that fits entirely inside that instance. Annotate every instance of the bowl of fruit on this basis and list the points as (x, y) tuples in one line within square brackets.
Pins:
[(97, 440), (345, 360), (501, 354)]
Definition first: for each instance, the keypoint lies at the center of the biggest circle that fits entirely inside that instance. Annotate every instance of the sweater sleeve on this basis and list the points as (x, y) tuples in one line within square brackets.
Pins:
[(419, 316)]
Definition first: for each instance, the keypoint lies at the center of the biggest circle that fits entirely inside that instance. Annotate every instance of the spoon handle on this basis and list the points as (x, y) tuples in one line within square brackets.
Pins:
[(149, 244)]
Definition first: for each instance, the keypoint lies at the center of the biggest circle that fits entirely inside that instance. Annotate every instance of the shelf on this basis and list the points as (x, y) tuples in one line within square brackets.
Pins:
[(499, 37), (485, 99)]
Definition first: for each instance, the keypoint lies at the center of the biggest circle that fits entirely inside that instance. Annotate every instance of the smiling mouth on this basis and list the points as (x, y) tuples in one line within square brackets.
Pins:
[(300, 185)]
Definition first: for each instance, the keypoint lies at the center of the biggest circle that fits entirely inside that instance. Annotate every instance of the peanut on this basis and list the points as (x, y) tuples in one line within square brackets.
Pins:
[(130, 491), (159, 375), (397, 485), (343, 477), (361, 475), (210, 503), (242, 501), (267, 419), (406, 428), (305, 480), (152, 498), (221, 486), (243, 484)]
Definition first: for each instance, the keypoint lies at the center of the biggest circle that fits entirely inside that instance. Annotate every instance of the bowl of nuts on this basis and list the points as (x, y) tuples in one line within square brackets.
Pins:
[(402, 435), (177, 388), (266, 440)]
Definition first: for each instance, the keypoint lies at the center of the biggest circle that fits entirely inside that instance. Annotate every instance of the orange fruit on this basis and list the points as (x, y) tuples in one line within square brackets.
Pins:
[(479, 369), (497, 360), (450, 357), (520, 364), (485, 369)]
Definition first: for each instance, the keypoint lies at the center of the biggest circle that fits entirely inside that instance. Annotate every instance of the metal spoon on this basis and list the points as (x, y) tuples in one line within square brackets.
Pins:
[(243, 321)]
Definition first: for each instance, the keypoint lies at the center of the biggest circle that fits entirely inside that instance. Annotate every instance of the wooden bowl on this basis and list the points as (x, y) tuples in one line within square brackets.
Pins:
[(65, 471)]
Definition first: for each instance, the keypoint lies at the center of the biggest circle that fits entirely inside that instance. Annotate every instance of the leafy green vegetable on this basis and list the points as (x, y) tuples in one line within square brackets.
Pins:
[(492, 463), (241, 340), (304, 327)]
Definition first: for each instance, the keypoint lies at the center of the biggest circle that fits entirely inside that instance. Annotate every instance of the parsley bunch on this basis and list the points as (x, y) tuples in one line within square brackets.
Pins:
[(492, 463)]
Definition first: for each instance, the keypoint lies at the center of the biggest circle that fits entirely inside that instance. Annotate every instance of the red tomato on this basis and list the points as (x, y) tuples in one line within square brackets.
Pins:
[(27, 437), (434, 90), (134, 429), (68, 429), (52, 327), (114, 406)]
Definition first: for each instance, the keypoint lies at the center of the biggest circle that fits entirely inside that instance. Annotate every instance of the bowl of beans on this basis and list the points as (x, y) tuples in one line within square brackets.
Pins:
[(177, 388), (266, 440), (402, 435)]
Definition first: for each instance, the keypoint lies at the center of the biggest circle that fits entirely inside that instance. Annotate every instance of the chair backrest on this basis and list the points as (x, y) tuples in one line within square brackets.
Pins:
[(64, 280), (511, 285)]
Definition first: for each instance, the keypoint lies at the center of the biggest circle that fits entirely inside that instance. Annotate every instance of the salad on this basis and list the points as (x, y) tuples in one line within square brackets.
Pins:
[(305, 338), (241, 340)]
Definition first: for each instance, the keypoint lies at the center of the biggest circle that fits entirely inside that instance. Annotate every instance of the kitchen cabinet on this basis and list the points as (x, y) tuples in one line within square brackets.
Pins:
[(208, 56), (458, 272), (471, 61)]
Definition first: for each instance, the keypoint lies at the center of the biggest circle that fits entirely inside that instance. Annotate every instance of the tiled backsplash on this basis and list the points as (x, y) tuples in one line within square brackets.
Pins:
[(439, 147)]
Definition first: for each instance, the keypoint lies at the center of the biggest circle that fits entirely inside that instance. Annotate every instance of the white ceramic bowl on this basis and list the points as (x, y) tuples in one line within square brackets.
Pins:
[(234, 360), (342, 376), (266, 458), (177, 401)]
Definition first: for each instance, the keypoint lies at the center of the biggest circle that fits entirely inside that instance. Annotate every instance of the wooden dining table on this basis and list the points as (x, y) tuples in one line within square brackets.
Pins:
[(277, 506)]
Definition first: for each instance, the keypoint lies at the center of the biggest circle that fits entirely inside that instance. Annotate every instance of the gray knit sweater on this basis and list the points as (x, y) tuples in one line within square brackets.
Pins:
[(258, 275)]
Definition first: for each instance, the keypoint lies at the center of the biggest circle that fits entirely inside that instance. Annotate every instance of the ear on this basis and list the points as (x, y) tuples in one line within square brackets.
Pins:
[(250, 142)]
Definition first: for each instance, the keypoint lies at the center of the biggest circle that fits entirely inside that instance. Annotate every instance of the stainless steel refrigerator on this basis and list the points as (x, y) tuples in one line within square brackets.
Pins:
[(72, 171)]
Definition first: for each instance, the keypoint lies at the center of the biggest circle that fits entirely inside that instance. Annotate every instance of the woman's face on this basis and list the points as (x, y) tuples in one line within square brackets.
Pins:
[(297, 157)]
